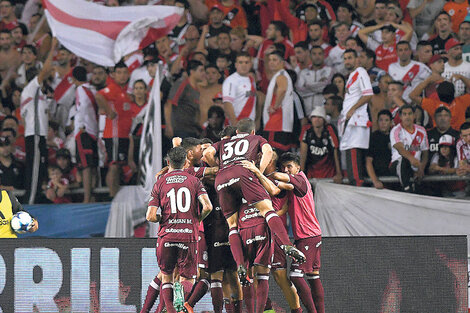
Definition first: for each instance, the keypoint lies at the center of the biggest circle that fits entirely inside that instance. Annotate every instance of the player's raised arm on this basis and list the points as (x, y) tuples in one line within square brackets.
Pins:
[(267, 151), (209, 156), (206, 206)]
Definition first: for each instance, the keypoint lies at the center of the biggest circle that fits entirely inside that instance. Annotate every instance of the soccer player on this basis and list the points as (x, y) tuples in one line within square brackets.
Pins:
[(307, 233), (174, 204), (353, 125), (234, 182)]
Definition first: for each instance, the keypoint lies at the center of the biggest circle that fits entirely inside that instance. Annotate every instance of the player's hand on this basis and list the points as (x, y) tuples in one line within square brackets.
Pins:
[(132, 165), (378, 184), (34, 226), (420, 174), (461, 171), (271, 110), (250, 166), (456, 77), (176, 141)]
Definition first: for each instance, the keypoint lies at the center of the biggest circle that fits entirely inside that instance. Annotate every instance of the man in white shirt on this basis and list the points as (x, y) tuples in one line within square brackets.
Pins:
[(239, 92), (410, 148), (313, 80), (353, 124), (335, 56), (408, 71), (456, 65), (34, 111)]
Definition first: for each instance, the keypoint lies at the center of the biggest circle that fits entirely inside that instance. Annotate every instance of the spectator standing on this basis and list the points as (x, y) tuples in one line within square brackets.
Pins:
[(182, 112), (367, 60), (34, 112), (379, 100), (423, 13), (19, 36), (313, 80), (380, 153), (302, 57), (445, 90), (443, 28), (234, 14), (7, 13), (11, 171), (9, 56), (239, 92), (345, 14), (177, 34), (380, 12), (216, 25), (455, 65), (319, 154), (408, 71), (333, 107), (278, 111), (335, 57), (354, 123), (315, 37), (28, 60), (409, 149), (215, 123), (464, 37), (209, 90)]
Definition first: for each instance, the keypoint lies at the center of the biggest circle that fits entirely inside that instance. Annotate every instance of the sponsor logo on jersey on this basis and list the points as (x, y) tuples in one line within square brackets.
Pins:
[(177, 179), (179, 245), (221, 244), (256, 238), (176, 231), (227, 184)]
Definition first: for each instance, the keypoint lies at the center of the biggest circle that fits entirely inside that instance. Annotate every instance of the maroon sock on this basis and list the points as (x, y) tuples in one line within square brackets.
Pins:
[(277, 227), (217, 295), (318, 294), (236, 245), (160, 306), (269, 304), (304, 293), (237, 306), (262, 292), (248, 298), (152, 294), (200, 289), (229, 306), (298, 310), (167, 296), (187, 287)]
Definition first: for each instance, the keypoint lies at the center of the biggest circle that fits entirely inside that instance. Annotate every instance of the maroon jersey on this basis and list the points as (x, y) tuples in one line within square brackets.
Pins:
[(249, 216), (177, 193), (197, 172), (240, 147), (215, 224)]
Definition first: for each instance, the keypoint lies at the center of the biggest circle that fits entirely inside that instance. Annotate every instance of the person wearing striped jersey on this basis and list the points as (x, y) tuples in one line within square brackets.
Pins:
[(278, 111), (410, 148), (353, 123), (463, 150)]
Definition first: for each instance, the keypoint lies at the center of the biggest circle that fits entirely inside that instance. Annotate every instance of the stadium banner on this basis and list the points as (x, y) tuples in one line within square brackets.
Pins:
[(71, 220), (102, 34), (363, 274)]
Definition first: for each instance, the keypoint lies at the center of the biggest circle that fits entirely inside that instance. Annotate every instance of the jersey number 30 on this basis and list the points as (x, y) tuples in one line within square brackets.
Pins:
[(177, 202), (241, 147)]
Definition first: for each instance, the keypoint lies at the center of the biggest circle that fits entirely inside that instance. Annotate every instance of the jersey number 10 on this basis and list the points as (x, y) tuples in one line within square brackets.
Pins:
[(177, 202)]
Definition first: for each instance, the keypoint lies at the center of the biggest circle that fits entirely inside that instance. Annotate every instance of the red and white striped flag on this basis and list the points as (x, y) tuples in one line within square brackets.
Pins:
[(104, 35)]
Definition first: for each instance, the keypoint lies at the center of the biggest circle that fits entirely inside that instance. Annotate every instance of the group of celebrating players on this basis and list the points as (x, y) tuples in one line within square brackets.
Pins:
[(222, 214)]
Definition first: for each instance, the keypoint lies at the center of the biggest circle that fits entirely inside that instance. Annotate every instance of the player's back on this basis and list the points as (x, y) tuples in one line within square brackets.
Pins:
[(239, 147), (178, 193)]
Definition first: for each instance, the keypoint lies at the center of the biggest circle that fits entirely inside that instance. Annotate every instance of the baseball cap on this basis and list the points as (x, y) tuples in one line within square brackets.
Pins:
[(435, 58), (318, 111), (217, 6), (452, 42), (446, 140), (217, 96)]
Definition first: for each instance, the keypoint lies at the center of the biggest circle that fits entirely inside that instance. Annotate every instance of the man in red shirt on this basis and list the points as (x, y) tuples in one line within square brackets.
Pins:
[(118, 123), (7, 13)]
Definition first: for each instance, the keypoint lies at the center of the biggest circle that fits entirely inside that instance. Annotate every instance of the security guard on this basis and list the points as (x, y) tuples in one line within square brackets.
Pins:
[(9, 206)]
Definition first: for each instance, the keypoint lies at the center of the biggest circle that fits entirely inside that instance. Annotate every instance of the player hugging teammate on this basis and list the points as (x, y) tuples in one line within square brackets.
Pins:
[(243, 210)]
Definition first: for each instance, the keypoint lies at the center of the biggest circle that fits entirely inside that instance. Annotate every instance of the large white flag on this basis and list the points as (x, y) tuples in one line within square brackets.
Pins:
[(103, 35)]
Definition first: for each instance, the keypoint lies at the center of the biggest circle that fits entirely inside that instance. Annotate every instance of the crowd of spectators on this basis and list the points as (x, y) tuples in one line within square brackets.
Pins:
[(294, 67)]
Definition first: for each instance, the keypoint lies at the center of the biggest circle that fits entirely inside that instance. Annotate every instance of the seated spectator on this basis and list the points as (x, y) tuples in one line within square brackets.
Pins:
[(319, 154), (57, 186), (424, 52), (215, 123), (379, 153), (11, 171), (463, 150), (69, 170), (333, 107), (442, 117), (409, 149), (445, 92)]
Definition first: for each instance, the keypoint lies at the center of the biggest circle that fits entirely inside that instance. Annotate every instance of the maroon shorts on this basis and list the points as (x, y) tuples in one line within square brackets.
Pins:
[(311, 247), (172, 254), (236, 182), (202, 256), (279, 257), (220, 257), (257, 245)]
